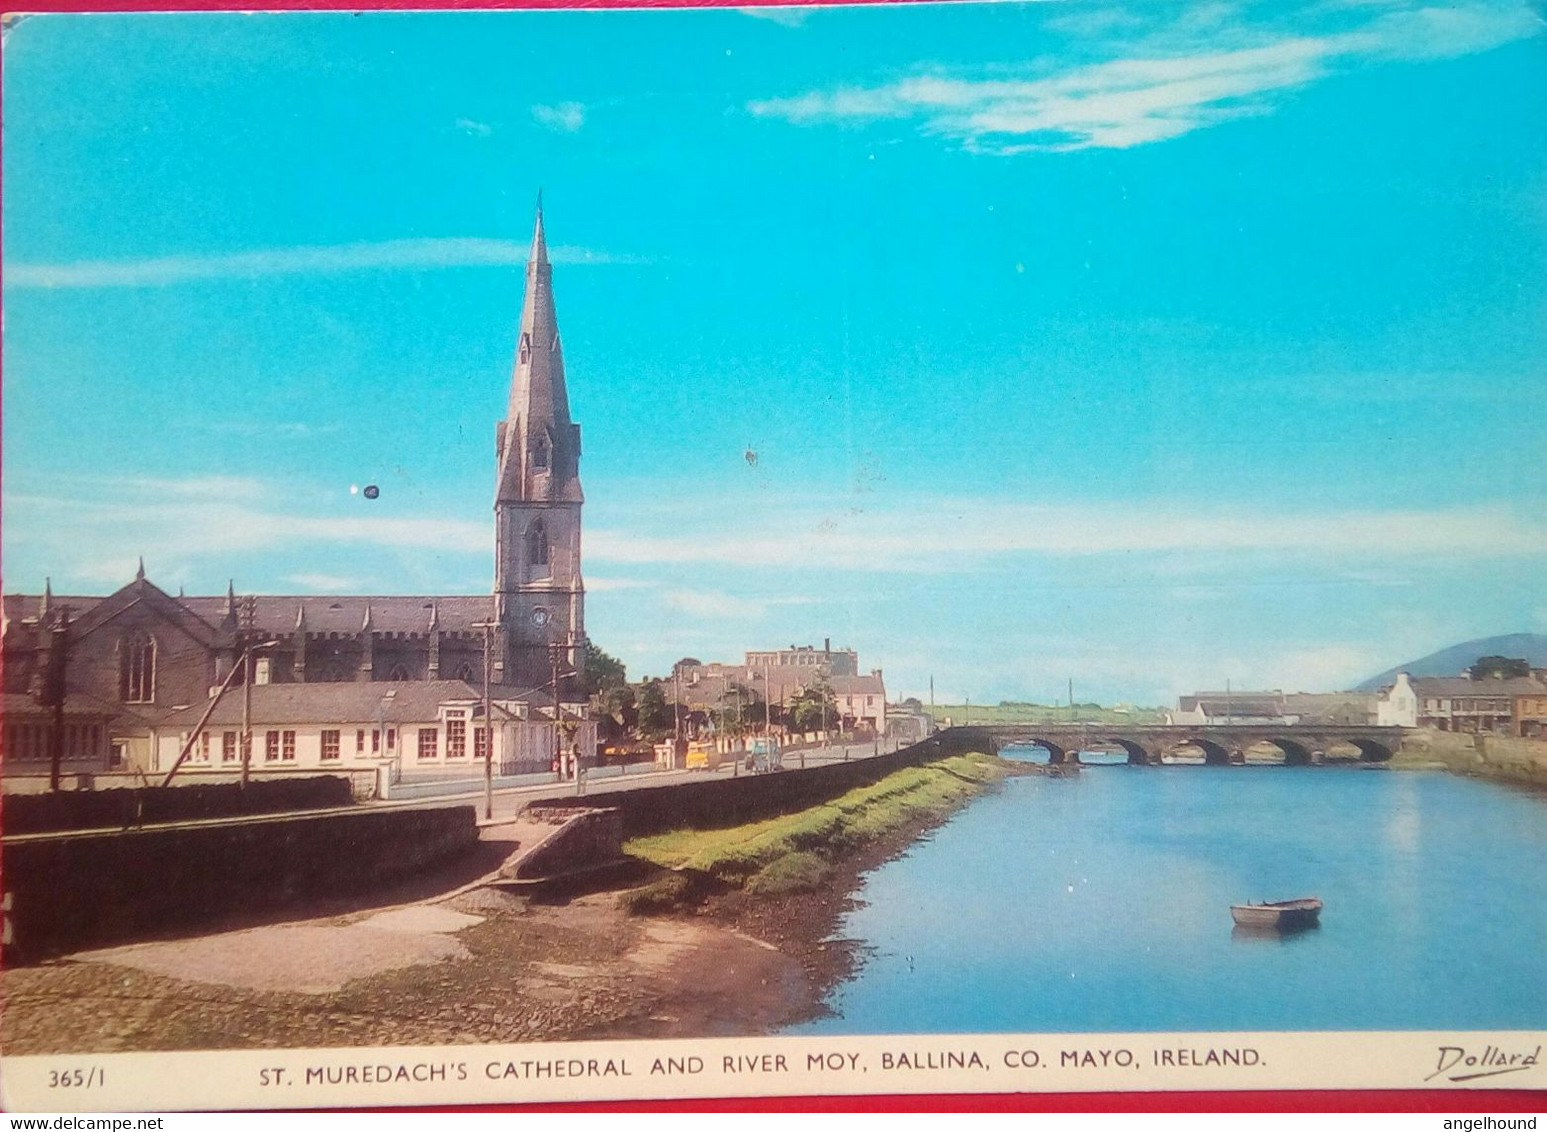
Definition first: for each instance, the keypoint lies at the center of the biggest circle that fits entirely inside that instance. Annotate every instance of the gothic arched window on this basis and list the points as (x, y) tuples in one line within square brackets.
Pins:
[(524, 351), (464, 672), (537, 547), (540, 452), (399, 672), (137, 668)]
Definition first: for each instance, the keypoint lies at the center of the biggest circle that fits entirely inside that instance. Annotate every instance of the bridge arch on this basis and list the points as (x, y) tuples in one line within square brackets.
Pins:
[(1295, 753), (1372, 750), (1056, 755), (1213, 753), (1137, 755)]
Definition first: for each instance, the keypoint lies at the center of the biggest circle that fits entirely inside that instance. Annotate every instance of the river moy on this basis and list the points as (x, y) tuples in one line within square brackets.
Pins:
[(1100, 902)]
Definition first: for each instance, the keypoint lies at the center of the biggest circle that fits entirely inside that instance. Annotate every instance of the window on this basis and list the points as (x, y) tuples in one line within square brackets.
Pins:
[(228, 747), (120, 753), (428, 738), (456, 739), (201, 749), (330, 746), (263, 672), (537, 545), (480, 744), (137, 668), (288, 752), (360, 741), (270, 746), (464, 672), (524, 351), (399, 672), (391, 738), (375, 741), (540, 452)]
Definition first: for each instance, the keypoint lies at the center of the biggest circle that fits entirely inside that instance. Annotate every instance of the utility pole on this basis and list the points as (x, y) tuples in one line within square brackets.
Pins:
[(246, 739), (55, 686), (488, 730)]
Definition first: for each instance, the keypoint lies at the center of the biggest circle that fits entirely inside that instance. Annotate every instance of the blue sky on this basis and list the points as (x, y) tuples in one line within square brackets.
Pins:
[(1151, 346)]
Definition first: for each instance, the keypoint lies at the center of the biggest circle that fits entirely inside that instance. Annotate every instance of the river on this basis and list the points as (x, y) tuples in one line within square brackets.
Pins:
[(1100, 902)]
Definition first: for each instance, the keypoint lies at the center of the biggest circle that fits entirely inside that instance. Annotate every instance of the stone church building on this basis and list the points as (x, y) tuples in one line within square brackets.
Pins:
[(129, 668)]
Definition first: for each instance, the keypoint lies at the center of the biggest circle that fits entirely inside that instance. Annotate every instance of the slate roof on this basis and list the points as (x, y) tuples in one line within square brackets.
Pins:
[(276, 614), (360, 703), (1452, 686), (871, 685)]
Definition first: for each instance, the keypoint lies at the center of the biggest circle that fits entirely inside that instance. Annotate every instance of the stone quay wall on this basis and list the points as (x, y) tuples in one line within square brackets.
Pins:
[(723, 800), (581, 840), (1504, 757), (67, 891), (127, 807)]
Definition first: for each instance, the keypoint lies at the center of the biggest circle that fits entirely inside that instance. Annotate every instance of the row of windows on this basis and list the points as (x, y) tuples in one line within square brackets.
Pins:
[(1467, 705), (456, 741), (31, 740), (280, 745)]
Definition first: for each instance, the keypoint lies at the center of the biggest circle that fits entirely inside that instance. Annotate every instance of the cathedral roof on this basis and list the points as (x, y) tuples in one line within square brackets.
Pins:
[(278, 614)]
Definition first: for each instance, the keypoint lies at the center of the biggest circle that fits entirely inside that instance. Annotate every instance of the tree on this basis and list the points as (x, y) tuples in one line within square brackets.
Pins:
[(656, 717), (601, 671), (813, 708), (615, 711), (1499, 668)]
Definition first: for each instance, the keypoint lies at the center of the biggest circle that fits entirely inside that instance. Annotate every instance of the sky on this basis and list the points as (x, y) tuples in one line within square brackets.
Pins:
[(1151, 347)]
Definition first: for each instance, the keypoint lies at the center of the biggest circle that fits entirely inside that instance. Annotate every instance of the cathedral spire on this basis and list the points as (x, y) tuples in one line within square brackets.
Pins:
[(139, 574), (48, 599), (539, 240), (539, 446)]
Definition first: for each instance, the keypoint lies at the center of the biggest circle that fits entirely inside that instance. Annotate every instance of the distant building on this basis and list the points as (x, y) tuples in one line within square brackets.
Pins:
[(1343, 708), (861, 702), (833, 662), (1459, 703), (1214, 708), (1274, 707)]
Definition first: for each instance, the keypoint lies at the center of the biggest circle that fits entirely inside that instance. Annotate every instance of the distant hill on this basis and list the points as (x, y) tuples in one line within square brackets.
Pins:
[(1457, 658)]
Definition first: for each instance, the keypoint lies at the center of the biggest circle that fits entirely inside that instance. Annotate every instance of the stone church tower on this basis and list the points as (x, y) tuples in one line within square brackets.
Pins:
[(539, 597)]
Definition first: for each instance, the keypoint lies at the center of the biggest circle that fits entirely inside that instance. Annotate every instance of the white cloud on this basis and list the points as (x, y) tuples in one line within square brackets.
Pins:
[(561, 117), (713, 605), (607, 585), (477, 129), (783, 16), (947, 535), (178, 521), (417, 254), (1204, 67)]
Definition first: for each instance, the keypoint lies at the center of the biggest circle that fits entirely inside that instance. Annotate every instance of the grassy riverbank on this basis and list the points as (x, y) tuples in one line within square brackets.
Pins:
[(796, 852)]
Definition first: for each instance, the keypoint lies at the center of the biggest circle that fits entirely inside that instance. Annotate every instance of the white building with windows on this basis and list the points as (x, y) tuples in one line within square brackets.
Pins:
[(421, 728)]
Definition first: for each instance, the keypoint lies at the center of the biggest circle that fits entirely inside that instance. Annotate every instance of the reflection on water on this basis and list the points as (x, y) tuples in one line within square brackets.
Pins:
[(1101, 901), (1239, 933)]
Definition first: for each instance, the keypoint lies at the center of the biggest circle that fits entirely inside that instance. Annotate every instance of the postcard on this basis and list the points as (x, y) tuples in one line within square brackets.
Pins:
[(684, 553)]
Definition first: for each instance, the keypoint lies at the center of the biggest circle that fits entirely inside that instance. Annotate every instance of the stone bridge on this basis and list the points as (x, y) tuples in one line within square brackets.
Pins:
[(1148, 744)]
